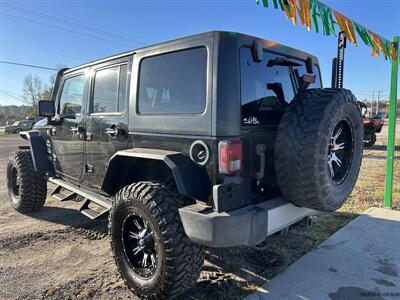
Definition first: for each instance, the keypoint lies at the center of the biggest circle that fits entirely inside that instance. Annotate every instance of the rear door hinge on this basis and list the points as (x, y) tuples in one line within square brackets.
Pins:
[(88, 136), (260, 149)]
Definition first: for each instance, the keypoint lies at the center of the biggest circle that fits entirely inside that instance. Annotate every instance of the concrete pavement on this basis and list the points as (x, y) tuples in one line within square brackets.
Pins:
[(360, 261)]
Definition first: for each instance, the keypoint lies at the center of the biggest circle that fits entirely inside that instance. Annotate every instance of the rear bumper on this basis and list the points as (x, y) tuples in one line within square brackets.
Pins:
[(249, 225)]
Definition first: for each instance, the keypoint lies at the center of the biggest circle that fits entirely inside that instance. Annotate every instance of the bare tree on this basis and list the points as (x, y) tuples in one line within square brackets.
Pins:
[(32, 90), (48, 88)]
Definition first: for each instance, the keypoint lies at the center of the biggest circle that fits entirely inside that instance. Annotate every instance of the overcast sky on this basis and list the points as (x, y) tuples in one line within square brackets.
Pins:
[(52, 32)]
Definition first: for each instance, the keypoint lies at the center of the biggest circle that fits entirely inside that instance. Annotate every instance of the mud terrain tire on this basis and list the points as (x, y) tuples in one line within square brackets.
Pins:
[(178, 261), (27, 188), (316, 124)]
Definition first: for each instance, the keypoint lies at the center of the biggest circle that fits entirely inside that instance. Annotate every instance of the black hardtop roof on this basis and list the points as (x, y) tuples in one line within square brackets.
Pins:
[(224, 34)]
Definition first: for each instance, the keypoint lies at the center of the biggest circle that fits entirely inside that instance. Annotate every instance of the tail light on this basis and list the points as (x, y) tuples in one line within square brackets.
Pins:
[(365, 121), (230, 157)]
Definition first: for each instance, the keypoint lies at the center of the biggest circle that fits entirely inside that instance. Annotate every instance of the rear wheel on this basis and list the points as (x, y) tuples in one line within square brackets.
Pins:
[(154, 256), (318, 148), (27, 189)]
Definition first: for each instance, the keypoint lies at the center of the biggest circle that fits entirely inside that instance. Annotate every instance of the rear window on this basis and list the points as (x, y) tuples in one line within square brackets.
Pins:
[(266, 87), (173, 83)]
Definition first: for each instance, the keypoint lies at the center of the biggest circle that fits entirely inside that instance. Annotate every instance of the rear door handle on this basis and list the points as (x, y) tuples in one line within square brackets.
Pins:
[(77, 129)]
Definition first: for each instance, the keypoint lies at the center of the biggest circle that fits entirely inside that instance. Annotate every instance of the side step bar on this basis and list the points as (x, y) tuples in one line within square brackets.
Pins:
[(103, 203), (59, 194)]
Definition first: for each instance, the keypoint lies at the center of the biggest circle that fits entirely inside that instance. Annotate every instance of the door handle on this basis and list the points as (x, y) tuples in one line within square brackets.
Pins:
[(77, 129), (113, 130)]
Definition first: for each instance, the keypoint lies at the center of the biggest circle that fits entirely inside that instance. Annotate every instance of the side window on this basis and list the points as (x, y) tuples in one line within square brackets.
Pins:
[(173, 83), (72, 95), (267, 87), (109, 92)]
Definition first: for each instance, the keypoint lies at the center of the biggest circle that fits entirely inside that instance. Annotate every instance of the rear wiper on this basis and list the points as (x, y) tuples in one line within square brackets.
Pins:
[(282, 62)]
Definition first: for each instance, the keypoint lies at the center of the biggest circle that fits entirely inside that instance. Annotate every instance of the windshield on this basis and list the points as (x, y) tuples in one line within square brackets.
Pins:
[(15, 123)]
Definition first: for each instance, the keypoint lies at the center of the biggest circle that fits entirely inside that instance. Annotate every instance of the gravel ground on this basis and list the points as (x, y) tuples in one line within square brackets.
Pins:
[(59, 253)]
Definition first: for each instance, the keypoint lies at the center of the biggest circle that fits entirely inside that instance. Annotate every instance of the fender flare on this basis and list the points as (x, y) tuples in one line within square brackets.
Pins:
[(191, 179), (38, 149)]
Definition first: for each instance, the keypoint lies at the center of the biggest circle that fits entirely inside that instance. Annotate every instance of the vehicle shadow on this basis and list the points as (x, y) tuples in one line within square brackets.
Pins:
[(378, 156), (70, 217), (381, 148), (236, 272), (228, 273)]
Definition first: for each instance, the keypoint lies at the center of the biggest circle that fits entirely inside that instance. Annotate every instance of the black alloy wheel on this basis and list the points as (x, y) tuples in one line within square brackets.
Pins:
[(14, 183), (139, 245), (340, 151)]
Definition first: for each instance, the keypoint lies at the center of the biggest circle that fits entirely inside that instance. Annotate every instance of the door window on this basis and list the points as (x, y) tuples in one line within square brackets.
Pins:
[(109, 92), (72, 95)]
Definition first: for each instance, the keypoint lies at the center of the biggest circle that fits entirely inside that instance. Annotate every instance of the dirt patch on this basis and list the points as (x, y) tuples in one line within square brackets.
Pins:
[(58, 253)]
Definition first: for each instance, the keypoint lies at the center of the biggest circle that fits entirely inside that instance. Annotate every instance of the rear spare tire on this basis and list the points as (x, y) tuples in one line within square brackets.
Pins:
[(318, 148)]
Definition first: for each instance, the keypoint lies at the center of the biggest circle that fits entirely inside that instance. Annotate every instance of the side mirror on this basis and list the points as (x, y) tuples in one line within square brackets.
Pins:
[(46, 108)]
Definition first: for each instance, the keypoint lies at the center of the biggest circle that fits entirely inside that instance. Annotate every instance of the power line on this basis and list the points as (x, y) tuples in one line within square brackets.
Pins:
[(26, 65), (72, 23), (13, 94), (56, 53), (9, 95), (65, 29)]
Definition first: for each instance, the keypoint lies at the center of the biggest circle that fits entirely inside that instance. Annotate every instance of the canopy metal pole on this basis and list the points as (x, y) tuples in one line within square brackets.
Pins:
[(391, 130)]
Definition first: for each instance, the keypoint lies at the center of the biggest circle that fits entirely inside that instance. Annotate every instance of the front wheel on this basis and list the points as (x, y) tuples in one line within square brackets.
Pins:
[(370, 140), (154, 256), (27, 189)]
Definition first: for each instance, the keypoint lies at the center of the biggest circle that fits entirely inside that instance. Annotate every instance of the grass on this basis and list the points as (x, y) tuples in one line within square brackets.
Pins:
[(370, 188)]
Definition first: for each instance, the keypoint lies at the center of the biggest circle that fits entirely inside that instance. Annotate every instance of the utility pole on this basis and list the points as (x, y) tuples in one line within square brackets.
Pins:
[(377, 102), (372, 102)]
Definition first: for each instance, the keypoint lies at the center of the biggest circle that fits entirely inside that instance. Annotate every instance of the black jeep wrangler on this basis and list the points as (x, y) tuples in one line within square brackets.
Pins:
[(217, 139)]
